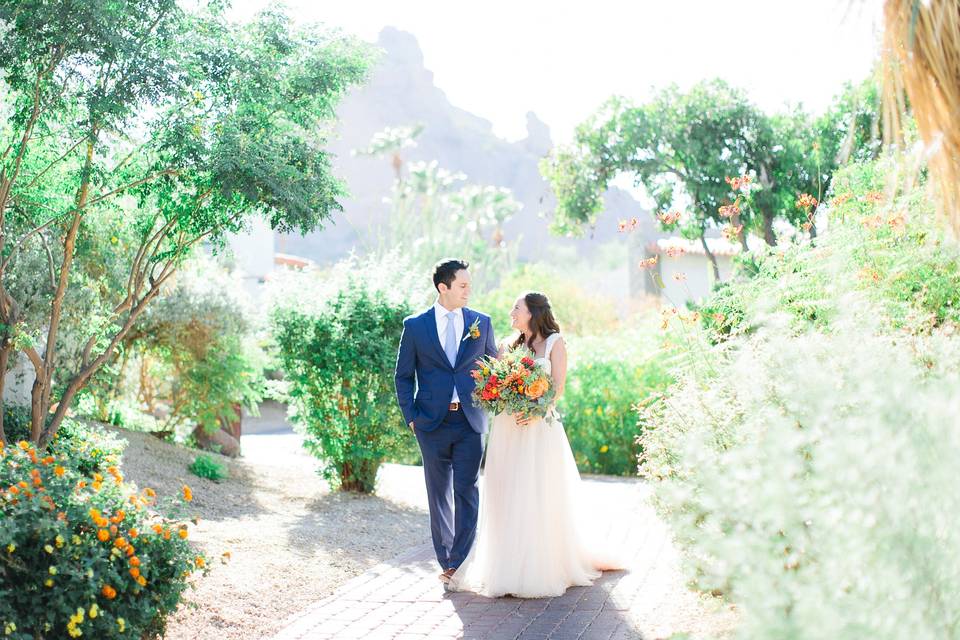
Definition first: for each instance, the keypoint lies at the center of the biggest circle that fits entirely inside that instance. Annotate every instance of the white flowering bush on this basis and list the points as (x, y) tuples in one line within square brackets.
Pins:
[(808, 463)]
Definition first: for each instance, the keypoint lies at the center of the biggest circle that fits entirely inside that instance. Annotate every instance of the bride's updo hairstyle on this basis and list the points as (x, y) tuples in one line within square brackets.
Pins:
[(542, 322)]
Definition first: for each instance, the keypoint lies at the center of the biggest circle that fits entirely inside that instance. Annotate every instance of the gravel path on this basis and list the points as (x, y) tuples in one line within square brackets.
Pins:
[(292, 543)]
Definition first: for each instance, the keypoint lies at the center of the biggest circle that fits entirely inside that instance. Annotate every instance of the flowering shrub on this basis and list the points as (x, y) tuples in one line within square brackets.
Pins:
[(86, 447), (81, 555), (809, 467), (606, 378)]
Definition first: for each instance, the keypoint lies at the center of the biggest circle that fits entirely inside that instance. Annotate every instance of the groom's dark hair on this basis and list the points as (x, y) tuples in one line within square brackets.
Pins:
[(446, 272)]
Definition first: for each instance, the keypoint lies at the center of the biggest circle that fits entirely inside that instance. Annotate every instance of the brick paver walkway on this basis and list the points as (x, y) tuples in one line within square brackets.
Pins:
[(404, 600)]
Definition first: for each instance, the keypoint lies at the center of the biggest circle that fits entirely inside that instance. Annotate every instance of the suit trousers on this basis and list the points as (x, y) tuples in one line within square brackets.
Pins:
[(451, 468)]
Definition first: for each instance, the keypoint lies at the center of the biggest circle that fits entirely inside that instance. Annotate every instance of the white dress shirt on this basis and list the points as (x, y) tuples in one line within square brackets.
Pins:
[(441, 313)]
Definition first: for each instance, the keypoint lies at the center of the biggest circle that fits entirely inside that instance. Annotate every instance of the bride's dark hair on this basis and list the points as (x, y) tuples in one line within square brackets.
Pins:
[(542, 322)]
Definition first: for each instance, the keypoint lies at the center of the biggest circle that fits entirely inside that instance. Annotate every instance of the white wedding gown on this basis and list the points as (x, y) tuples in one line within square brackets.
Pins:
[(532, 540)]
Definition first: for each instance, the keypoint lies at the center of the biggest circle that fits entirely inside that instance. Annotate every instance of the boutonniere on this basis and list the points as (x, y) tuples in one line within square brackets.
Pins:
[(473, 331)]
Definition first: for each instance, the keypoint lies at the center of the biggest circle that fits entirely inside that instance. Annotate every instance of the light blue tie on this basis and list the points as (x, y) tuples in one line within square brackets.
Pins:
[(450, 343)]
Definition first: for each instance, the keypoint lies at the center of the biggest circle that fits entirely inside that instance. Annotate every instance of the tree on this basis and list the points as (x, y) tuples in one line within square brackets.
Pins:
[(683, 147), (163, 128), (679, 146), (432, 214)]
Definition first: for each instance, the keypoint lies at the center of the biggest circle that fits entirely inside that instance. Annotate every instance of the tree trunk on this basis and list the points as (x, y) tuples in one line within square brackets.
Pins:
[(43, 385), (5, 350), (713, 258), (768, 235)]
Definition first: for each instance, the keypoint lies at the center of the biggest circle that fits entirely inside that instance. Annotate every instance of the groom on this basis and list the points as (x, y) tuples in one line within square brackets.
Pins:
[(438, 350)]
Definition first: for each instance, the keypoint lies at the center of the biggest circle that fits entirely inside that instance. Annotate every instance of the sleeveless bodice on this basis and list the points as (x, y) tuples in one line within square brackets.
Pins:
[(545, 360)]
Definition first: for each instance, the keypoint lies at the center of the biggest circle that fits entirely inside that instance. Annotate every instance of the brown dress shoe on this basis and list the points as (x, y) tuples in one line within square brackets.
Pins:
[(446, 575)]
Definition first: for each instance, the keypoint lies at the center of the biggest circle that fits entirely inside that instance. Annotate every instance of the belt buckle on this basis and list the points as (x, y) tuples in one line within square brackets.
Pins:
[(454, 406)]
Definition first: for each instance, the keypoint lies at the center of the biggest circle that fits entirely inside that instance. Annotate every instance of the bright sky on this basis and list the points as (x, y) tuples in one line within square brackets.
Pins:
[(500, 59)]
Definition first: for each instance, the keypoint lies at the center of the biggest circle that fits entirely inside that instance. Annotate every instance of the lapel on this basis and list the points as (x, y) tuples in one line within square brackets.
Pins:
[(468, 318), (430, 323)]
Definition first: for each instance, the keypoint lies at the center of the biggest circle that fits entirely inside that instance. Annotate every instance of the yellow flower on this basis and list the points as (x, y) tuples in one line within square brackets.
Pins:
[(48, 582), (11, 548), (9, 628), (94, 610), (52, 571), (122, 624), (59, 541), (604, 449), (48, 548)]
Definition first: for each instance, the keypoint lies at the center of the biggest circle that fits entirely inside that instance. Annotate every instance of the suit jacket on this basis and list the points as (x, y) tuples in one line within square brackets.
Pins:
[(424, 377)]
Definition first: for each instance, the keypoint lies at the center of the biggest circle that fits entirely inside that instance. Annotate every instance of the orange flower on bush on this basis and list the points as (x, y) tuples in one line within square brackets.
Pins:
[(59, 471), (103, 535), (108, 592), (187, 493)]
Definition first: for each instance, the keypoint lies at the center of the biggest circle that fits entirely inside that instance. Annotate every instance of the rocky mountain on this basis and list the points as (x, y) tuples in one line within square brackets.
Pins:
[(401, 92)]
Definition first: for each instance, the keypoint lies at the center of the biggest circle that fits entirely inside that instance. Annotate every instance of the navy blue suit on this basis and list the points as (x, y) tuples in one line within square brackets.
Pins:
[(450, 441)]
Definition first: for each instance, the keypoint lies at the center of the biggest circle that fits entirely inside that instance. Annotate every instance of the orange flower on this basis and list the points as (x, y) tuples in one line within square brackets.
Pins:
[(805, 201), (157, 528), (134, 572), (669, 218), (134, 561), (108, 592), (200, 562), (649, 263), (537, 388), (182, 533), (120, 543), (187, 493), (103, 535), (59, 471), (141, 581), (133, 533)]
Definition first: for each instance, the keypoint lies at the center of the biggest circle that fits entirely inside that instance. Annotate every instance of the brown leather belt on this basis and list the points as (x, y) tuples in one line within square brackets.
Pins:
[(454, 406)]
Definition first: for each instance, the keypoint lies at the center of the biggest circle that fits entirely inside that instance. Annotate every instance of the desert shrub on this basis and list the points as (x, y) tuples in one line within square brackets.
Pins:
[(607, 377), (808, 466), (339, 362), (191, 360), (204, 466), (81, 555)]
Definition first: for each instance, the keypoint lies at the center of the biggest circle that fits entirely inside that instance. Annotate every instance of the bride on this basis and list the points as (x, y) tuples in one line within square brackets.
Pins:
[(531, 541)]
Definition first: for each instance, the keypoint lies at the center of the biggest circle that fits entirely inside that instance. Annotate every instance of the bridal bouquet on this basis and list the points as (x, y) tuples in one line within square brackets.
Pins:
[(513, 383)]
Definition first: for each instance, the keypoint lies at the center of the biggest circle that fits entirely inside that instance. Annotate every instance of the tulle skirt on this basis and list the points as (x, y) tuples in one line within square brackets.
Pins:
[(532, 537)]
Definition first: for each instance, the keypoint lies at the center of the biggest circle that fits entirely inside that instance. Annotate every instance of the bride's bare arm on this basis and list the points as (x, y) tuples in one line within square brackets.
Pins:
[(558, 366)]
